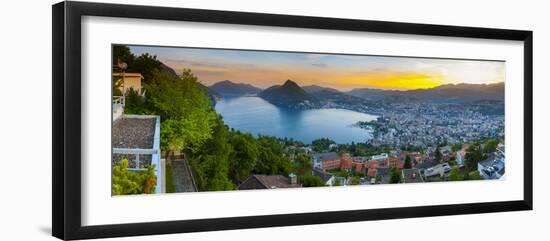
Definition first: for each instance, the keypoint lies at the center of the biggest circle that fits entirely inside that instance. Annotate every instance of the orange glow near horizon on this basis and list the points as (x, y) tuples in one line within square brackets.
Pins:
[(343, 72), (392, 80)]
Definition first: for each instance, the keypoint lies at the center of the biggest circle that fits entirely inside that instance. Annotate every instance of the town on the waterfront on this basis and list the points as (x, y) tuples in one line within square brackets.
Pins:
[(191, 120)]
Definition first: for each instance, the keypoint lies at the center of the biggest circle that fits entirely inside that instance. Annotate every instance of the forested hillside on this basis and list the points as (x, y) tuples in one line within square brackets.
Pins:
[(220, 158)]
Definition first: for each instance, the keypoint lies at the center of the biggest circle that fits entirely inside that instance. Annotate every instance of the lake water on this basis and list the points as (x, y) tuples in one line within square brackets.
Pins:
[(257, 116)]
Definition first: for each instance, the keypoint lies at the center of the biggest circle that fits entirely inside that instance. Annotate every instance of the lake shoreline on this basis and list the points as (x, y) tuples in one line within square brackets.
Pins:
[(254, 115)]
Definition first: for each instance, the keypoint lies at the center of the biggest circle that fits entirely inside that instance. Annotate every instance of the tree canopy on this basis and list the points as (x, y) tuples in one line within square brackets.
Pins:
[(322, 144), (408, 163), (473, 156), (311, 181), (395, 176), (455, 175), (126, 182)]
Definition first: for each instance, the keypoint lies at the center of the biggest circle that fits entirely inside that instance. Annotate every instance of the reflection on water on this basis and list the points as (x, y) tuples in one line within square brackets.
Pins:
[(257, 116)]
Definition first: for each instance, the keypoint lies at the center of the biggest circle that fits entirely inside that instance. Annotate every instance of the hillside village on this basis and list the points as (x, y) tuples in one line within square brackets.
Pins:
[(167, 138)]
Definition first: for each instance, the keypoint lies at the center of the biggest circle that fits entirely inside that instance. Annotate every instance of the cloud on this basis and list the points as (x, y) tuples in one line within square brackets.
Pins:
[(320, 65)]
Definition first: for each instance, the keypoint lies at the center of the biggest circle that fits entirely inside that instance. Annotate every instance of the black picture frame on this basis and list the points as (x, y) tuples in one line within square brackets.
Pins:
[(66, 128)]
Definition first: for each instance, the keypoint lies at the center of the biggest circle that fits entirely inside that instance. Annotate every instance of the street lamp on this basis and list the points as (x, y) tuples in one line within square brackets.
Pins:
[(123, 66)]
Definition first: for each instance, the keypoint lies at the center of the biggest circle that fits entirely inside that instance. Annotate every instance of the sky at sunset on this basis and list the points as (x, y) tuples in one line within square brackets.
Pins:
[(344, 72)]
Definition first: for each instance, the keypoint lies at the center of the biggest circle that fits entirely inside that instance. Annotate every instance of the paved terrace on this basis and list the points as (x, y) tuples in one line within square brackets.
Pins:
[(133, 133)]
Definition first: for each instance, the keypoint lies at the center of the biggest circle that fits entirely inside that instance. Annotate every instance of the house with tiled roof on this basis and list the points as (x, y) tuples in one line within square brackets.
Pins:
[(346, 163), (395, 162), (460, 157), (326, 160), (372, 172), (327, 178), (258, 181), (383, 174), (358, 167)]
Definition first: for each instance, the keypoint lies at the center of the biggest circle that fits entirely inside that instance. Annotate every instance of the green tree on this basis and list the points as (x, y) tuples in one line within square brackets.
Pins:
[(244, 156), (408, 163), (472, 157), (339, 172), (134, 103), (455, 175), (311, 181), (186, 115), (337, 182), (322, 144), (395, 176), (474, 175), (123, 54), (354, 180), (210, 164), (147, 65), (117, 84), (271, 157), (132, 182), (303, 165), (490, 146), (144, 64), (452, 161)]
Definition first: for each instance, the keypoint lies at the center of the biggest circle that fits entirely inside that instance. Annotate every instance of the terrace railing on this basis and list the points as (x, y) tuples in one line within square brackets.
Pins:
[(118, 100), (137, 152)]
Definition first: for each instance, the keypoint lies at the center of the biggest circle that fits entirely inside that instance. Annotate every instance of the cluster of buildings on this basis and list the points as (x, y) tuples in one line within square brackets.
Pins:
[(427, 124), (423, 166), (376, 169)]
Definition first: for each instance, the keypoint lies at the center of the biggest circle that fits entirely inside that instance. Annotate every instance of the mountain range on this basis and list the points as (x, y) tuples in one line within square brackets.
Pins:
[(291, 95), (227, 88), (448, 93)]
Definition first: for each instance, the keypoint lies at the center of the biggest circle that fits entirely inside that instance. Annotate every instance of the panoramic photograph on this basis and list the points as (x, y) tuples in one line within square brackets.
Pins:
[(203, 119)]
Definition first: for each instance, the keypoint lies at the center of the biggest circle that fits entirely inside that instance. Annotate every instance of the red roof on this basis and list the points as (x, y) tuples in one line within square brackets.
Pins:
[(372, 172), (372, 164), (358, 166), (346, 164)]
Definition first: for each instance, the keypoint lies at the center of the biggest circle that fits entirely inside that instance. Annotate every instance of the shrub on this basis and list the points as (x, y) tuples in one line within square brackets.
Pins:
[(126, 182)]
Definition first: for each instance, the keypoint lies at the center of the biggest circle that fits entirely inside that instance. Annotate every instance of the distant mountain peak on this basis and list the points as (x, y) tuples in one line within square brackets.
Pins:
[(227, 88), (289, 95), (289, 83)]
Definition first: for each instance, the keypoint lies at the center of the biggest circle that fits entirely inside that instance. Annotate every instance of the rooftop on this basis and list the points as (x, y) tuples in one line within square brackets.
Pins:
[(412, 175), (128, 75), (325, 176), (501, 147), (326, 156), (426, 164), (439, 170), (131, 132), (271, 181)]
